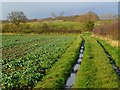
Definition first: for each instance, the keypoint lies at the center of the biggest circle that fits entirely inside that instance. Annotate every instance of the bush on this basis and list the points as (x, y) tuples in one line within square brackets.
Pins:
[(6, 28), (89, 25), (45, 26), (108, 29), (25, 26)]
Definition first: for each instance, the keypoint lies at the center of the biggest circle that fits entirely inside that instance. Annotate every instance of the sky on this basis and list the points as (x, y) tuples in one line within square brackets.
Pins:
[(44, 9)]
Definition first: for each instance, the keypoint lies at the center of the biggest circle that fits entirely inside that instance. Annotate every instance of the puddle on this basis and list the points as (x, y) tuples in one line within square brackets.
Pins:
[(76, 67), (71, 79)]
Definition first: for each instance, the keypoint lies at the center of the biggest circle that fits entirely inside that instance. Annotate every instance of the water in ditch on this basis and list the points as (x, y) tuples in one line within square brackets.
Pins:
[(71, 79)]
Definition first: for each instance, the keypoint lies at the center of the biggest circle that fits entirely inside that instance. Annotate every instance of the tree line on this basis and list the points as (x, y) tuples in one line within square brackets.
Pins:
[(18, 20)]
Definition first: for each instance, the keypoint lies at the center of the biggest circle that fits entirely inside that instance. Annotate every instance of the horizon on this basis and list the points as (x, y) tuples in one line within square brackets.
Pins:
[(40, 10)]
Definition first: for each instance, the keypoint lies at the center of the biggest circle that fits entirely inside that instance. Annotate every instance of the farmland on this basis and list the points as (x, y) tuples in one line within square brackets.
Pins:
[(59, 52), (45, 27), (45, 61), (31, 59), (26, 59)]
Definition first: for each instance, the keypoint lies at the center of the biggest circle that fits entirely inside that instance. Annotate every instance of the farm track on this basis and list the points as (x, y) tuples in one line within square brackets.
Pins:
[(116, 68), (113, 51), (95, 70)]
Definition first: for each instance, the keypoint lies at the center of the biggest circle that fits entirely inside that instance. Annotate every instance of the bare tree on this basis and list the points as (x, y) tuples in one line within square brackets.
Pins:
[(17, 17)]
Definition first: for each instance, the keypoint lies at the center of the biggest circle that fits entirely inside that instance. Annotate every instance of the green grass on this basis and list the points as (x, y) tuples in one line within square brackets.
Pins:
[(37, 27), (45, 60), (113, 51), (65, 25), (95, 70), (57, 76)]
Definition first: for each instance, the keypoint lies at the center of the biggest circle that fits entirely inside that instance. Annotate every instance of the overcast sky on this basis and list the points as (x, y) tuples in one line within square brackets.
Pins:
[(44, 9)]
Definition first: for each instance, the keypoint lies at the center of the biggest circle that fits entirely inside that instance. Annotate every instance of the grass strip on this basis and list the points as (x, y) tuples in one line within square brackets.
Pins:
[(113, 51), (58, 74), (95, 70)]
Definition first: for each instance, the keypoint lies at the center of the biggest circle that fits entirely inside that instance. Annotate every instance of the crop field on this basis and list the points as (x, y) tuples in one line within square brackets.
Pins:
[(59, 73), (27, 58), (31, 61), (59, 45)]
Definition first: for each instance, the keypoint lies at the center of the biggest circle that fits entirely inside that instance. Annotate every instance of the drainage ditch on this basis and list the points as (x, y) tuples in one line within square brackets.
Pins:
[(71, 79), (116, 68)]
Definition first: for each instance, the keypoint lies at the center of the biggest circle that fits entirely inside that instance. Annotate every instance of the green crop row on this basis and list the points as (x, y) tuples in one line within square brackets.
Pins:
[(58, 74), (23, 72), (95, 70), (15, 46), (18, 51), (9, 41)]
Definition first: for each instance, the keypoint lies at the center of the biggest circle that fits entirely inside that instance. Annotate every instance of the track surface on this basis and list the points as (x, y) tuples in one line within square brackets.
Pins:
[(96, 70)]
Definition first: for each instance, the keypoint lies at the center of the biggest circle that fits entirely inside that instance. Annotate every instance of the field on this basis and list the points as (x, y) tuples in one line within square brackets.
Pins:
[(79, 51), (46, 60), (45, 27), (27, 58), (59, 46)]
